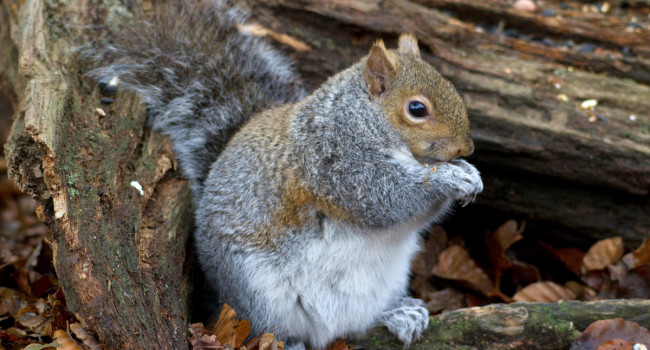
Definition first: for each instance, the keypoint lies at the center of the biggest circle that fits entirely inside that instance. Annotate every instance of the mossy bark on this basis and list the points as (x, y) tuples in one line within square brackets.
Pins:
[(513, 326), (119, 213)]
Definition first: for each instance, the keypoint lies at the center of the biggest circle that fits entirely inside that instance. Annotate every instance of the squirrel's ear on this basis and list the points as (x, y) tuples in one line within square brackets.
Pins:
[(408, 44), (379, 69)]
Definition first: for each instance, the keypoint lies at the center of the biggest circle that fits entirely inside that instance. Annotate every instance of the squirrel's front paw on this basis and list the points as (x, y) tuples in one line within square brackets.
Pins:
[(468, 182), (408, 321)]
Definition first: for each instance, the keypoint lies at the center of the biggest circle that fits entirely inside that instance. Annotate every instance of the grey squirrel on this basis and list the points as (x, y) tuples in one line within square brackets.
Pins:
[(308, 208)]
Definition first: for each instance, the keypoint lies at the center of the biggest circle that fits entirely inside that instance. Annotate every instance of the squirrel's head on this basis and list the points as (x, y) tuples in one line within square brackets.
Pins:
[(420, 104)]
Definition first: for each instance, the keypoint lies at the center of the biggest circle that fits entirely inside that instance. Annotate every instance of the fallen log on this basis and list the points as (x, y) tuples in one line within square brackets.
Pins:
[(513, 326)]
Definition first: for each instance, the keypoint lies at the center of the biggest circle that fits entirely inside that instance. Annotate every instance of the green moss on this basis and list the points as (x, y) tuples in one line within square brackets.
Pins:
[(72, 192)]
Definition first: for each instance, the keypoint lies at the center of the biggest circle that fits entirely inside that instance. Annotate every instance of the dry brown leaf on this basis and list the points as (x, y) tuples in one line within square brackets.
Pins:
[(10, 336), (581, 291), (616, 344), (630, 285), (229, 330), (35, 346), (35, 323), (65, 341), (508, 233), (497, 243), (258, 30), (644, 272), (203, 339), (338, 345), (456, 264), (13, 300), (544, 292), (617, 328), (638, 257), (445, 300), (428, 257), (86, 337), (268, 342), (571, 257), (242, 331), (604, 252)]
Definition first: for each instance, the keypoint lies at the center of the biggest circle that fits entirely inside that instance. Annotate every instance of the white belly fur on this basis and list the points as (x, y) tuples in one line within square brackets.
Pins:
[(342, 282)]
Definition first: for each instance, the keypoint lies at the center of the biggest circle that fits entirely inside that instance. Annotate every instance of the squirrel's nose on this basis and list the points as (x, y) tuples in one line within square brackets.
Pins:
[(460, 149)]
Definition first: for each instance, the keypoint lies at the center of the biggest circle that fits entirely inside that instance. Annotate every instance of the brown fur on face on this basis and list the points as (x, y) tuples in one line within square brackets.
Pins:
[(401, 76)]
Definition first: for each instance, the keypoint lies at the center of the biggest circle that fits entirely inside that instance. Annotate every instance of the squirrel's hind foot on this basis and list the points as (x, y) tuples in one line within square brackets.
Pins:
[(408, 321)]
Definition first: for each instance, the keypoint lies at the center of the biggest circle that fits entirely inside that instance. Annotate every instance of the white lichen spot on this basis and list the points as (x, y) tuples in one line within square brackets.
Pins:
[(138, 187), (562, 97), (639, 346), (100, 112), (114, 81), (632, 117), (558, 86), (60, 206), (589, 104)]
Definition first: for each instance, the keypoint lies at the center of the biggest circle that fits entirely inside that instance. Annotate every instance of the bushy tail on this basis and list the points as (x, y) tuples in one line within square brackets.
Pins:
[(200, 77)]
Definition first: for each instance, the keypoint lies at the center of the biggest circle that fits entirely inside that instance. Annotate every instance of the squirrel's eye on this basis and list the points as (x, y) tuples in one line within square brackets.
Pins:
[(417, 109)]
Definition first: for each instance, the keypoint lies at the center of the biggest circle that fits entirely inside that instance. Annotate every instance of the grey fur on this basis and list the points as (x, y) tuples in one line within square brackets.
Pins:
[(200, 78), (340, 147), (407, 321), (309, 217)]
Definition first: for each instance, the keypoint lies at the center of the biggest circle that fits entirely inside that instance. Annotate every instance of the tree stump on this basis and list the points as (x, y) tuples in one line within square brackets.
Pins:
[(119, 213)]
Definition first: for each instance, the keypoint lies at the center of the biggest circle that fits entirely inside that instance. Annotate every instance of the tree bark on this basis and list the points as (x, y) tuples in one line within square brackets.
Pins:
[(120, 253), (119, 213)]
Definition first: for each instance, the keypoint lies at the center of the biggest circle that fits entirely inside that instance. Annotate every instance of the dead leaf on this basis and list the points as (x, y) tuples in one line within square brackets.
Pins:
[(638, 257), (338, 345), (617, 328), (644, 272), (508, 233), (522, 274), (42, 286), (444, 300), (598, 280), (35, 323), (229, 330), (13, 300), (428, 257), (571, 257), (616, 344), (51, 346), (630, 285), (203, 339), (581, 291), (59, 314), (268, 342), (85, 336), (65, 341), (455, 264), (12, 337), (605, 252), (544, 292)]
